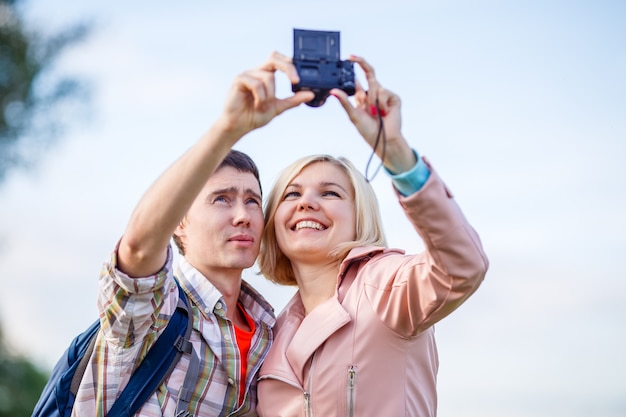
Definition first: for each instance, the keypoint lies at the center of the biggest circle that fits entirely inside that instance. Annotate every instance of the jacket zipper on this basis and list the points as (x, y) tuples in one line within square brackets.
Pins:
[(307, 391), (307, 404), (307, 396), (350, 390)]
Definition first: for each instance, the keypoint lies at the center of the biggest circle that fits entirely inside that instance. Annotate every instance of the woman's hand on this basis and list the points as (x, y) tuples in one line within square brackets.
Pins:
[(365, 116)]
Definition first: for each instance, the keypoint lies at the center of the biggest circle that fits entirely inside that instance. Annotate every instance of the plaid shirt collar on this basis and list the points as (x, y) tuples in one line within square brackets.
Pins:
[(206, 296)]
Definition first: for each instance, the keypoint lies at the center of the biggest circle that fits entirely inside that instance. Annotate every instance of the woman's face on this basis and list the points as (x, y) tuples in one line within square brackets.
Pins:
[(316, 213)]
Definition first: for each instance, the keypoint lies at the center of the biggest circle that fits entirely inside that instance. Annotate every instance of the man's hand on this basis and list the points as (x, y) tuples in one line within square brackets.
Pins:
[(252, 103)]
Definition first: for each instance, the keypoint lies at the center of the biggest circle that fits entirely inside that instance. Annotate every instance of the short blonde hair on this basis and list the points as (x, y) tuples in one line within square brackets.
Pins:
[(273, 263)]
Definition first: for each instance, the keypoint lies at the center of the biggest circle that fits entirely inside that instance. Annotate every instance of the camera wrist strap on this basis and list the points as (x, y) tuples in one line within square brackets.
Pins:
[(381, 133)]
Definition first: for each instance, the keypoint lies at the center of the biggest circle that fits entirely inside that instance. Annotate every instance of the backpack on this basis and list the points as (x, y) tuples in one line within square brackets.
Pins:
[(58, 396)]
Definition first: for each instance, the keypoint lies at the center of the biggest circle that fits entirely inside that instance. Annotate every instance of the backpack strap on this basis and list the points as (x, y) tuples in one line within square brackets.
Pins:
[(182, 343), (158, 363), (82, 365), (186, 391), (156, 366)]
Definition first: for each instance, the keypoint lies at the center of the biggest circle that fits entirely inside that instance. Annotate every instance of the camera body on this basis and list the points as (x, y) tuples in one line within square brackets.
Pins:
[(317, 60)]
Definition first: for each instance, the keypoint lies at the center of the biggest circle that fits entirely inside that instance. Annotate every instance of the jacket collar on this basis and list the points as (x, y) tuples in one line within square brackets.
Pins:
[(300, 335), (313, 331), (360, 253)]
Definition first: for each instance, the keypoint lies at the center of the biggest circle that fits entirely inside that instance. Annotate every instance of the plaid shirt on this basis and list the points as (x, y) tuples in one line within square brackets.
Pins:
[(134, 311)]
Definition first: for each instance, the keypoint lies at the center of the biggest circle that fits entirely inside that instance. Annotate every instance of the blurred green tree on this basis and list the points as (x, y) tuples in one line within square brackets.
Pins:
[(32, 94), (21, 383), (33, 98)]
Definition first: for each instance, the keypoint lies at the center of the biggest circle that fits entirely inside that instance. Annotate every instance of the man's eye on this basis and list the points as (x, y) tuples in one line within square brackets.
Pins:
[(253, 201), (220, 199)]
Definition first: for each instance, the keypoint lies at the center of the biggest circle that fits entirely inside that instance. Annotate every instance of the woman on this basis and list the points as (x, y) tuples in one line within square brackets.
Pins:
[(357, 338)]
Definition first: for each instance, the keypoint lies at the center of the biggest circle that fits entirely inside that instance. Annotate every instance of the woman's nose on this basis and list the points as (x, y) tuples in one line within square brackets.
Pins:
[(307, 202)]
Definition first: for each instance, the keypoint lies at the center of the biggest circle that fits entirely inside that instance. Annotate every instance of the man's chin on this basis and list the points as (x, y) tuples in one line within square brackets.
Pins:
[(243, 263)]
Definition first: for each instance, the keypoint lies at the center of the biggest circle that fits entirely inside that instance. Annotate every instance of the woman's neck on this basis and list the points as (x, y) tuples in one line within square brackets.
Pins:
[(316, 283)]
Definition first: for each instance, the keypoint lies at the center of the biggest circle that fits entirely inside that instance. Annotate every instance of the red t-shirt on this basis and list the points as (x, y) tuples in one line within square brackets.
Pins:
[(244, 339)]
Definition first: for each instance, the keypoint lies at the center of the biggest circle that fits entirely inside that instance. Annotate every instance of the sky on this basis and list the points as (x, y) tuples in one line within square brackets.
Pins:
[(519, 105)]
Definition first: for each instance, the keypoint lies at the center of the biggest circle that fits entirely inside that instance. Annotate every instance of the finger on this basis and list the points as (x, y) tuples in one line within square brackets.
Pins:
[(384, 97), (283, 63), (363, 99), (389, 101), (293, 101), (368, 70), (253, 85), (370, 76), (275, 61), (267, 78), (359, 87), (360, 94), (345, 103)]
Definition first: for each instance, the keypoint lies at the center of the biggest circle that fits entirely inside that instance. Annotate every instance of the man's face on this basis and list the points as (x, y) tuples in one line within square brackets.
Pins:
[(223, 227)]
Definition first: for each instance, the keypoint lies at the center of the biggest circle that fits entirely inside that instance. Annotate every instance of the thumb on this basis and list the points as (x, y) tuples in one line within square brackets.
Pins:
[(294, 101)]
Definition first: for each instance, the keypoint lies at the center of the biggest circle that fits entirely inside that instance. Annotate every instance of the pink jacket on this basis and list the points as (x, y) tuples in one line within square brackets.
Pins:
[(370, 350)]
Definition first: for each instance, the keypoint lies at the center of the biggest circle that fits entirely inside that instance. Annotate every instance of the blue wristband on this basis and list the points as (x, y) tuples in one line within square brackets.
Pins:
[(413, 180)]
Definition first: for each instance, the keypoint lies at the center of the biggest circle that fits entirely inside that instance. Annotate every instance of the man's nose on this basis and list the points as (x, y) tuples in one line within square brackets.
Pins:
[(242, 215)]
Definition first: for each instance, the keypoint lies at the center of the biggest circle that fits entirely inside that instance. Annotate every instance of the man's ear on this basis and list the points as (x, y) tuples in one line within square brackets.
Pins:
[(181, 230)]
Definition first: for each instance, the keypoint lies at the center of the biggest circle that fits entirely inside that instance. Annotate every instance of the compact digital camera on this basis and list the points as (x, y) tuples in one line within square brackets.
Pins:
[(317, 60)]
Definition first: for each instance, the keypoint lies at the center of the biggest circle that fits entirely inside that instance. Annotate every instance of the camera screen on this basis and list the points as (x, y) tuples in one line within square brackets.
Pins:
[(316, 45)]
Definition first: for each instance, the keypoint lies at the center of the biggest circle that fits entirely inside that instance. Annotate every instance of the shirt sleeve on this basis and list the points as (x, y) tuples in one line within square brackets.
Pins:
[(133, 308), (413, 180)]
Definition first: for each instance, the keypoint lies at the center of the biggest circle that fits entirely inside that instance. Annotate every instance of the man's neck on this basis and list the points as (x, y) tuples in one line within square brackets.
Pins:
[(228, 283)]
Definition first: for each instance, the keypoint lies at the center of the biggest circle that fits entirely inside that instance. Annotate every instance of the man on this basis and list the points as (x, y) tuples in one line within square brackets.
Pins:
[(210, 201)]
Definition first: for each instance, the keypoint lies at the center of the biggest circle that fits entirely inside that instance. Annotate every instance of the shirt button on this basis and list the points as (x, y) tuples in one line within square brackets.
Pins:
[(230, 381), (207, 310), (227, 337), (218, 305)]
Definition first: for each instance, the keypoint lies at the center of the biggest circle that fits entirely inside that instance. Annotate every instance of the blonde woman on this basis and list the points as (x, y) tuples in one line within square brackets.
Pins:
[(357, 339)]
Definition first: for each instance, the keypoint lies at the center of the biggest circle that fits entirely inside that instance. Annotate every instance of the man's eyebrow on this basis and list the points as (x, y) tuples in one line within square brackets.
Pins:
[(254, 193), (226, 190), (235, 190)]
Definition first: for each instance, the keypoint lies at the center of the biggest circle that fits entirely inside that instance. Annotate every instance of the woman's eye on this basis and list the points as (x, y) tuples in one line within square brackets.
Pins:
[(330, 194), (291, 194)]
